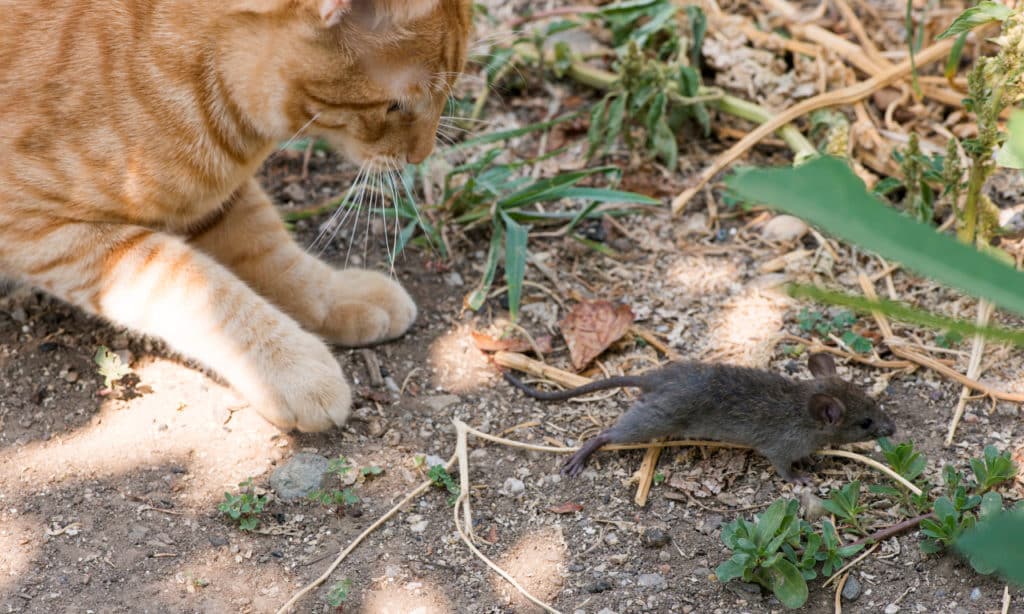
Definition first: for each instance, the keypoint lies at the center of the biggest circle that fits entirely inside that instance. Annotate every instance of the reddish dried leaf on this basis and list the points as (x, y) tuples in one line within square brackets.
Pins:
[(591, 327), (566, 508), (487, 343)]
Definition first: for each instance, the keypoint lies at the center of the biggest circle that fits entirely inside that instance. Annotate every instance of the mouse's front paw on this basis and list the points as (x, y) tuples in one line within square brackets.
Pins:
[(574, 466)]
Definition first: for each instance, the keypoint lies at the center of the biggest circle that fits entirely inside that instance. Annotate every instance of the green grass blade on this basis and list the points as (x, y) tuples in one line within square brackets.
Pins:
[(476, 298), (825, 192), (516, 237), (504, 135)]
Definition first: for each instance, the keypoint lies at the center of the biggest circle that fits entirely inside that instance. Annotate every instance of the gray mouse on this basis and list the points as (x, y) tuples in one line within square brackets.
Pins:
[(785, 420)]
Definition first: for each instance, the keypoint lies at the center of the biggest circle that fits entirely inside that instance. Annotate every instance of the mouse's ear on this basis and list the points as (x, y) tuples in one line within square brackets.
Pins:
[(821, 365), (826, 409)]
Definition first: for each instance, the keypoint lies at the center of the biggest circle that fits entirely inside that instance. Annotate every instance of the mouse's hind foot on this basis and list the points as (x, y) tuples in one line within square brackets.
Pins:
[(574, 466)]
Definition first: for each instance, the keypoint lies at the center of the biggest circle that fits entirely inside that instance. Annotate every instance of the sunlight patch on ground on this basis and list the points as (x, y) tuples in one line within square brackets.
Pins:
[(537, 562), (745, 330), (459, 366), (694, 276), (181, 422), (405, 597), (20, 539)]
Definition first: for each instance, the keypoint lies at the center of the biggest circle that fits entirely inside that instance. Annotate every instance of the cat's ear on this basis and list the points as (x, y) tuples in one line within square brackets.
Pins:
[(331, 11)]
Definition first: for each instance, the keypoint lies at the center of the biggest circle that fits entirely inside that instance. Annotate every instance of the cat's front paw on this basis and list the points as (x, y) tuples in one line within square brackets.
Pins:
[(366, 307), (307, 392)]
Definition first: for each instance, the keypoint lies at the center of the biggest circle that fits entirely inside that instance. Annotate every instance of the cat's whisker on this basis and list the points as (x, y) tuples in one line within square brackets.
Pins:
[(350, 203), (327, 226), (393, 254)]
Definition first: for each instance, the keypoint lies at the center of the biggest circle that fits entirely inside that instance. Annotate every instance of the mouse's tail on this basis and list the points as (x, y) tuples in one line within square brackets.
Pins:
[(617, 381)]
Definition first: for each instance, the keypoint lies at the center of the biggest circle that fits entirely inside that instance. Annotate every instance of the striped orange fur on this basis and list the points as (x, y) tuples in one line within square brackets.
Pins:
[(130, 131)]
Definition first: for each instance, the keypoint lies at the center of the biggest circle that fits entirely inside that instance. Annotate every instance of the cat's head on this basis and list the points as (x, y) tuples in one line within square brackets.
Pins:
[(370, 76)]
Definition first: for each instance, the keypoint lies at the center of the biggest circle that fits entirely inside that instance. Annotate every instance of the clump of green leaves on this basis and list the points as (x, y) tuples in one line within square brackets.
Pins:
[(339, 593), (245, 507), (923, 180), (340, 468), (659, 87), (845, 504), (109, 366), (781, 552), (839, 324), (440, 477), (910, 464)]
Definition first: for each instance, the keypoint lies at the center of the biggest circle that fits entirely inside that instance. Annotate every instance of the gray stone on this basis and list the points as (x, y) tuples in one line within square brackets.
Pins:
[(852, 589), (513, 487), (975, 594), (299, 476), (441, 402), (655, 538), (784, 228), (655, 581), (611, 538), (607, 611), (892, 608), (599, 586)]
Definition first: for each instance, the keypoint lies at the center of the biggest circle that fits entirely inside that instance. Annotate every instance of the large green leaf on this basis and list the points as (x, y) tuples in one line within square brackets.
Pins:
[(825, 192), (997, 544), (769, 522), (788, 584)]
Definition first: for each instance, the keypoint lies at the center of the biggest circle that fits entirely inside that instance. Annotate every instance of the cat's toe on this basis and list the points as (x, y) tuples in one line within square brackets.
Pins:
[(308, 392), (368, 307)]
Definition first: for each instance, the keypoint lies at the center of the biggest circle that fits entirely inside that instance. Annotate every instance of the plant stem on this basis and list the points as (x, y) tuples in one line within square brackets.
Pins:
[(603, 80), (895, 529)]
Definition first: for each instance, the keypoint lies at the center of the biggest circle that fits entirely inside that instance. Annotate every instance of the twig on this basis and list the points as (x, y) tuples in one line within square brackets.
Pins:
[(896, 529), (927, 361), (846, 95), (656, 343), (870, 462), (850, 564), (816, 346), (1006, 599), (422, 488), (973, 368), (645, 475), (838, 602), (514, 360), (462, 429)]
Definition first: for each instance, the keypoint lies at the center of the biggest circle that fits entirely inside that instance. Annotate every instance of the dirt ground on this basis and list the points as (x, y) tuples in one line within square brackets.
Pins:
[(108, 502)]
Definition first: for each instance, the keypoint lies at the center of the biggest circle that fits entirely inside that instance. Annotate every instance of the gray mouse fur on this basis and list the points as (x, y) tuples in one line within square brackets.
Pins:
[(785, 420)]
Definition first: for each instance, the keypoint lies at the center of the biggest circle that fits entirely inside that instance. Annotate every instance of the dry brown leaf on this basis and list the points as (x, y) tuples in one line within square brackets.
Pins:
[(592, 326), (566, 508)]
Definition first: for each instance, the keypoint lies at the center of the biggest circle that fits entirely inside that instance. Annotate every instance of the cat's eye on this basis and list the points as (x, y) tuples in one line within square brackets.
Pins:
[(866, 423), (394, 106)]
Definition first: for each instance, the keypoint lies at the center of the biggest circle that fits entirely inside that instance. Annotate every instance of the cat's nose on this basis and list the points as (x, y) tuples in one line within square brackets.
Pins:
[(419, 152)]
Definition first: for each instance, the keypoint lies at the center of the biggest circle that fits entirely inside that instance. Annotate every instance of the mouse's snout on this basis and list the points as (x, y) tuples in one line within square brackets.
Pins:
[(885, 428)]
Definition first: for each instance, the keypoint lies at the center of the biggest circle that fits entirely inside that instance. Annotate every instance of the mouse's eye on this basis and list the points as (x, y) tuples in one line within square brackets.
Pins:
[(866, 423)]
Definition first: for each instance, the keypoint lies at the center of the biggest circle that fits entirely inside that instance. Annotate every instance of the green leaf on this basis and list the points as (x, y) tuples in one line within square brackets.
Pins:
[(516, 237), (944, 509), (768, 523), (930, 546), (729, 570), (476, 299), (1015, 137), (997, 544), (991, 504), (955, 54), (853, 214), (616, 113), (664, 142), (984, 12), (788, 584)]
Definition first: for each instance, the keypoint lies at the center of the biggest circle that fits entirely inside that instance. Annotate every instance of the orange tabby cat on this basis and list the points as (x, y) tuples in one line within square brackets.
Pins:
[(130, 131)]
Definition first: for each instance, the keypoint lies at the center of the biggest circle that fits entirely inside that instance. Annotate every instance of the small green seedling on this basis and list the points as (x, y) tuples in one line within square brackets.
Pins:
[(659, 477), (110, 366), (440, 476), (371, 471), (340, 468), (845, 504), (910, 464), (244, 508), (840, 324), (338, 594)]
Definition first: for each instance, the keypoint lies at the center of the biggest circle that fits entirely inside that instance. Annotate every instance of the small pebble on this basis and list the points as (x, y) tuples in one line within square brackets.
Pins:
[(454, 279), (420, 526), (664, 556), (851, 590), (892, 608), (71, 377), (813, 508), (433, 460), (975, 594), (611, 538), (607, 611), (513, 487), (655, 538), (599, 586), (299, 476), (652, 580), (217, 540), (784, 228)]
